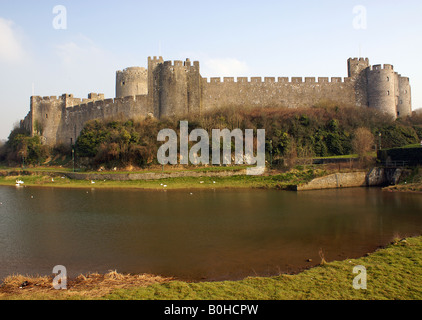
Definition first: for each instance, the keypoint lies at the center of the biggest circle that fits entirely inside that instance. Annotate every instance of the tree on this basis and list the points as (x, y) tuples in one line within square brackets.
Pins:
[(362, 142)]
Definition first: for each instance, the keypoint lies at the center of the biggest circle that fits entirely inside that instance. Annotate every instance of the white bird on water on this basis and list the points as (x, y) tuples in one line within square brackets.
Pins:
[(19, 183), (92, 182)]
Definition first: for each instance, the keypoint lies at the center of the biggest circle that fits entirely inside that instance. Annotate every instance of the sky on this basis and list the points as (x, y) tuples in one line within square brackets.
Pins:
[(48, 51)]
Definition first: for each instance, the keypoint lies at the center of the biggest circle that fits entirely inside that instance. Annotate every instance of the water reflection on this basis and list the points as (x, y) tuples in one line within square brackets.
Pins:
[(211, 234)]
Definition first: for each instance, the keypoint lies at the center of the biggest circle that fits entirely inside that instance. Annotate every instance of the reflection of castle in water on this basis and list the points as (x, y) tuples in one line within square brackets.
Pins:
[(176, 88)]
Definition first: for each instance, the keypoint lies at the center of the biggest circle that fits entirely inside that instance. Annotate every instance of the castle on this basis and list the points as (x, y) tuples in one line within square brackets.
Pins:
[(176, 88)]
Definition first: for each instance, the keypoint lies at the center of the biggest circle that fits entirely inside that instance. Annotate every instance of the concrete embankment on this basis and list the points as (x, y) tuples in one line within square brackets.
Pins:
[(375, 177)]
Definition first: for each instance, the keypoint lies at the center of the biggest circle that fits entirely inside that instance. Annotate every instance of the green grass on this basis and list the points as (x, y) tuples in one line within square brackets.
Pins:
[(157, 170), (392, 273), (279, 181), (347, 156), (417, 145), (409, 146), (164, 170)]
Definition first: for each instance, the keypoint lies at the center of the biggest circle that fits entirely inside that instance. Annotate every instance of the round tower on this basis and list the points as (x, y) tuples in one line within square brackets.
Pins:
[(383, 89), (131, 82), (174, 89), (404, 107)]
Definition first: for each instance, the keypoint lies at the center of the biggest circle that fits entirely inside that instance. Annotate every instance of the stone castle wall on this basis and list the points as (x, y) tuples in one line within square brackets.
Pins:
[(58, 122), (176, 88), (272, 92)]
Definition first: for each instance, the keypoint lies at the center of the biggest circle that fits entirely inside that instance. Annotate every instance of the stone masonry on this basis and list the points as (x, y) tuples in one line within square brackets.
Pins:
[(176, 88)]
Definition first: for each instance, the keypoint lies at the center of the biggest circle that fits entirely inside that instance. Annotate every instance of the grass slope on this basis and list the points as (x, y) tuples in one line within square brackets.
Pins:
[(278, 181), (393, 273)]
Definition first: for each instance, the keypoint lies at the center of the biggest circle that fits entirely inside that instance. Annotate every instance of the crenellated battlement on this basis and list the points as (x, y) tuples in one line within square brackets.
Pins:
[(90, 104), (379, 67), (67, 99), (279, 80), (46, 98), (195, 65), (176, 88), (155, 59), (96, 96), (359, 60), (173, 63), (181, 64)]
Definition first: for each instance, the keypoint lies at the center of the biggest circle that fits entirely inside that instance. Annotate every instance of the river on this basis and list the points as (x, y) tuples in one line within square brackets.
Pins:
[(196, 234)]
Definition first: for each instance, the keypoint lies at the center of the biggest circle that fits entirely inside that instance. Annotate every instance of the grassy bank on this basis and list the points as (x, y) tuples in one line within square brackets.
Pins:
[(394, 272), (274, 181)]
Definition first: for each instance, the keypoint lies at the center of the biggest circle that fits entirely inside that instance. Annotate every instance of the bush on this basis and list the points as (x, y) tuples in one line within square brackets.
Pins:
[(325, 130), (22, 148), (398, 135)]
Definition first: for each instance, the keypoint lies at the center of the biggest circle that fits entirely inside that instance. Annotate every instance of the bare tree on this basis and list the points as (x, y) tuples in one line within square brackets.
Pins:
[(363, 142), (291, 155)]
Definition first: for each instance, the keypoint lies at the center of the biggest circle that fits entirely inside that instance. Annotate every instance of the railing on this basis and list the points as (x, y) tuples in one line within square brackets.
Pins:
[(394, 164)]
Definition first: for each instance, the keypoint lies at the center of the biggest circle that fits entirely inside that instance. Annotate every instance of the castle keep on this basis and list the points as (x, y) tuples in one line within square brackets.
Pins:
[(176, 88)]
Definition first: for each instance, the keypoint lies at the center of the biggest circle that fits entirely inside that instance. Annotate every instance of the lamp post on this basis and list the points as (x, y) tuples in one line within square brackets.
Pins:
[(380, 135), (73, 158), (271, 153), (73, 154)]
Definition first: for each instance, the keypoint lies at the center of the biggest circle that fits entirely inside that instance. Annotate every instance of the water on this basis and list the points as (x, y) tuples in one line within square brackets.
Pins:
[(211, 234)]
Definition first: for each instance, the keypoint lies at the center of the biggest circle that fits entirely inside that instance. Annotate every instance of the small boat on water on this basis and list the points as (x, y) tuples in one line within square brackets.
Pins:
[(19, 183)]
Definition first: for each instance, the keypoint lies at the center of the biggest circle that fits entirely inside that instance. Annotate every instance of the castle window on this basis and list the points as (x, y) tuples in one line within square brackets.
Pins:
[(388, 78), (46, 116), (388, 93), (123, 83), (398, 113)]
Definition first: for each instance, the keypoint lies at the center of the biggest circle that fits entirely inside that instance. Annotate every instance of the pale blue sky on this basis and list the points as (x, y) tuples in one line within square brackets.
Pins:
[(229, 38)]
